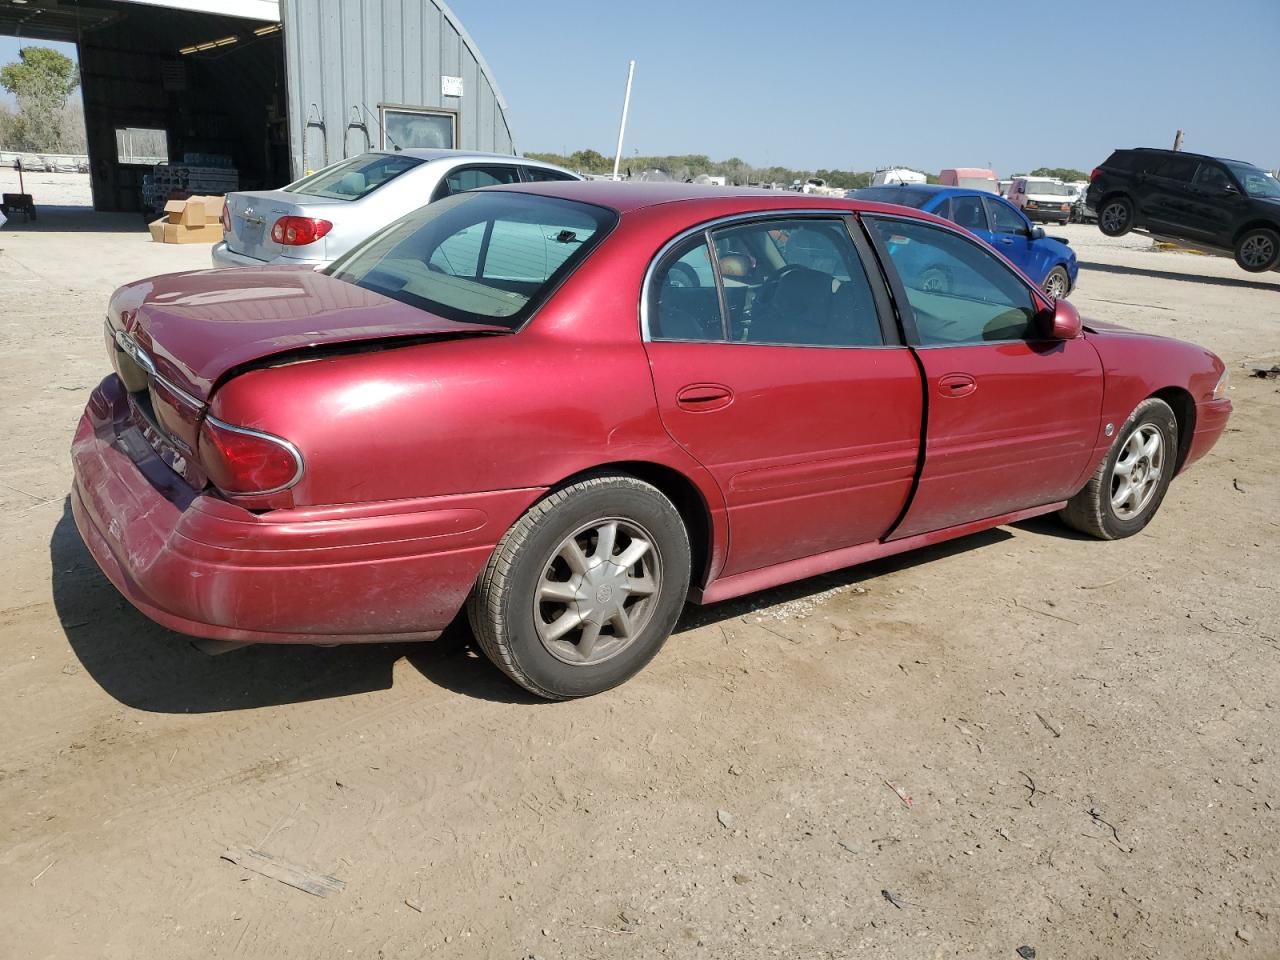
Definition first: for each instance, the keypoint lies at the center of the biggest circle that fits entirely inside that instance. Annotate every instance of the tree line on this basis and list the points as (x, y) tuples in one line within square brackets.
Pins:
[(738, 172)]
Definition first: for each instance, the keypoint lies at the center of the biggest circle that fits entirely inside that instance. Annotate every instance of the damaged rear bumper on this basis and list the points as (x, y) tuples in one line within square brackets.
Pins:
[(365, 572)]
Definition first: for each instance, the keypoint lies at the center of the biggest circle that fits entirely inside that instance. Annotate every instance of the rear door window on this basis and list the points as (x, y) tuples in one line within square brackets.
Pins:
[(796, 283), (543, 175), (968, 213), (1180, 169), (472, 178), (685, 304)]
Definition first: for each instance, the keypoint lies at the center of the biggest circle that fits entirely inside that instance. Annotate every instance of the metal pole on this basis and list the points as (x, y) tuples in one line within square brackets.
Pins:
[(1177, 140), (622, 129)]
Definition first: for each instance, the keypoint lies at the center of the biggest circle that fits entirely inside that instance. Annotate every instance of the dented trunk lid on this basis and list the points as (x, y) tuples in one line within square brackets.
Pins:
[(174, 338), (197, 327)]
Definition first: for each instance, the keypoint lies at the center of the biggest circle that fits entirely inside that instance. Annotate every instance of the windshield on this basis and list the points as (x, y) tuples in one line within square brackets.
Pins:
[(1047, 188), (905, 196), (1256, 181), (354, 178), (486, 257), (979, 183)]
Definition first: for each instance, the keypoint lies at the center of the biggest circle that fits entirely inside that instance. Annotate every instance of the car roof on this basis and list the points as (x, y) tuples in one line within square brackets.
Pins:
[(424, 153), (1183, 153), (934, 189), (626, 197)]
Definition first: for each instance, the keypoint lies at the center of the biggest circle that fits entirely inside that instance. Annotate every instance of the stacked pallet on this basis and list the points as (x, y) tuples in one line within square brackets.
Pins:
[(194, 220), (199, 173)]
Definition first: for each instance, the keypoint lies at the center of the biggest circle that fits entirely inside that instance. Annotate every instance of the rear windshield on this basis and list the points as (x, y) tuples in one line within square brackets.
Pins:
[(1047, 188), (978, 183), (354, 178), (905, 196), (488, 257)]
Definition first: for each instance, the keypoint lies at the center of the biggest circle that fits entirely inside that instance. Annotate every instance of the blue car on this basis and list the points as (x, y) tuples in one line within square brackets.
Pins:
[(1048, 262)]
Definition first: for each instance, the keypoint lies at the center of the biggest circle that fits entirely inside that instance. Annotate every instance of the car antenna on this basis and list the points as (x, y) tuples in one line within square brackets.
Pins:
[(381, 128)]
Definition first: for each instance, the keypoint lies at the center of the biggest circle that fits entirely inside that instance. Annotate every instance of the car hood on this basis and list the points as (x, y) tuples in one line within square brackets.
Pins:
[(198, 326), (1107, 329)]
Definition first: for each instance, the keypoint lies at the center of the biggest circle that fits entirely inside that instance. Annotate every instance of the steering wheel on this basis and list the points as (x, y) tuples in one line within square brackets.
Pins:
[(769, 288)]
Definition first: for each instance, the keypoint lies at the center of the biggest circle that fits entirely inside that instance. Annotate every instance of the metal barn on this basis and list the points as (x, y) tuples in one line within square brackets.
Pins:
[(277, 86)]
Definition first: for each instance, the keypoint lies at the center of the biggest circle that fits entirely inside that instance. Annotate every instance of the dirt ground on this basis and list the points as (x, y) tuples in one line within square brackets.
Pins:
[(1087, 731)]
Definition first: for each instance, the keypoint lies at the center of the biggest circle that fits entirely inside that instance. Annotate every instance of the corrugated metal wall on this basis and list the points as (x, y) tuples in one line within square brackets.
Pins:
[(345, 57)]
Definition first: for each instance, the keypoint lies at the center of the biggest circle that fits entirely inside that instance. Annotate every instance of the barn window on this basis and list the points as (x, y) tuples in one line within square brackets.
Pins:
[(405, 127)]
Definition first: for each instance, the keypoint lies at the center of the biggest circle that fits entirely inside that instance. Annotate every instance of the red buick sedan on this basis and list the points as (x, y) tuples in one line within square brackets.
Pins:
[(571, 407)]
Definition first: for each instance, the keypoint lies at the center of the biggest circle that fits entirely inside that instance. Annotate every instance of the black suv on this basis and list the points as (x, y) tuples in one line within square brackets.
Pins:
[(1222, 204)]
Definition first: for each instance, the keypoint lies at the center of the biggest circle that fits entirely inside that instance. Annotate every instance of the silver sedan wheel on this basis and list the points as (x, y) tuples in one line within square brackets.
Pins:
[(1114, 216), (1137, 472), (1257, 251), (598, 591)]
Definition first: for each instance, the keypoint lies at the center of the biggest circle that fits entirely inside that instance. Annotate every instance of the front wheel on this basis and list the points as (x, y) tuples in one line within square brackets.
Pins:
[(1057, 284), (1258, 250), (584, 589), (1115, 219), (1129, 485)]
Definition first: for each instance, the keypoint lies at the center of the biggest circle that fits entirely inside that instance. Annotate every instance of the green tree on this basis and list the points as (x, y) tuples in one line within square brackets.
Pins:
[(41, 80), (1059, 173)]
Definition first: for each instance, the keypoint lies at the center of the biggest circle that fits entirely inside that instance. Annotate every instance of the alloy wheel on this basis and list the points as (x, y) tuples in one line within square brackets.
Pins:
[(1257, 251), (1136, 475), (1055, 286), (598, 591), (1114, 216)]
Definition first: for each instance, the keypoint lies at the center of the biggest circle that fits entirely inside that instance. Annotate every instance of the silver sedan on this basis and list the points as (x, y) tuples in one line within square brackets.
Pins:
[(315, 220)]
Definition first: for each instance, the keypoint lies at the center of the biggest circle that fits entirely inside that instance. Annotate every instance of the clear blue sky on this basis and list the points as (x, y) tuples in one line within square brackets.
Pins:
[(854, 85)]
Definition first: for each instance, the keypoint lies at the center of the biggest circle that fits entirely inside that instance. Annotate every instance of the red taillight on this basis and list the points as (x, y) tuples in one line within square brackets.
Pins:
[(1097, 172), (245, 462), (226, 218), (299, 231)]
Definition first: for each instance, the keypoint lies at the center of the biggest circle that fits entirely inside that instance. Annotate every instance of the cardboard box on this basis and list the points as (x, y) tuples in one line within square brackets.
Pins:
[(193, 213), (213, 208), (205, 233), (162, 231), (173, 210)]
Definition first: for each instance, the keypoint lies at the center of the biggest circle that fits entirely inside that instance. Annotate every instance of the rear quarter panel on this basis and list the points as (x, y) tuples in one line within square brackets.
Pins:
[(568, 393)]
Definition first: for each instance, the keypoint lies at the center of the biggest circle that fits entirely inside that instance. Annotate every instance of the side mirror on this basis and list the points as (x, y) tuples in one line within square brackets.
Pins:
[(1037, 233), (1062, 322)]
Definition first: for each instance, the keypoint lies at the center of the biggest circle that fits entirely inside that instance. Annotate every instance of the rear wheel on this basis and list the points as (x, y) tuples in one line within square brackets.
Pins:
[(1115, 219), (1057, 284), (1129, 485), (1258, 250), (584, 589)]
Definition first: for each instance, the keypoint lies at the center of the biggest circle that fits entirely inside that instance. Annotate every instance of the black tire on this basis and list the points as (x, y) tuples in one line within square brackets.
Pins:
[(1115, 216), (1258, 250), (1091, 510), (1057, 276), (502, 606)]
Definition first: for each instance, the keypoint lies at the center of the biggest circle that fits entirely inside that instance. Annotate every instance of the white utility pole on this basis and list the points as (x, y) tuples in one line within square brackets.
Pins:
[(622, 129)]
